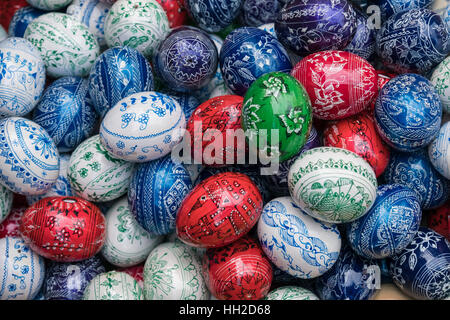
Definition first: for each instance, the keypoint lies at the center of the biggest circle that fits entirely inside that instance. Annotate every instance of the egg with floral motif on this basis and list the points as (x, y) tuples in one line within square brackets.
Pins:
[(439, 151), (113, 286), (21, 19)]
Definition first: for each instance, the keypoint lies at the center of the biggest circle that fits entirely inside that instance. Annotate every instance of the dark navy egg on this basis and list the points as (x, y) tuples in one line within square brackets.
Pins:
[(364, 40), (258, 12), (66, 112), (22, 19), (389, 7)]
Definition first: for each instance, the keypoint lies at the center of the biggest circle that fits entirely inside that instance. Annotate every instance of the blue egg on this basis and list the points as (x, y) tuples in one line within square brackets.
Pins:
[(155, 194), (258, 12), (118, 73), (415, 40), (417, 173), (389, 7), (67, 281), (408, 112), (21, 19), (364, 41), (187, 102), (422, 269), (390, 224), (66, 112), (248, 53)]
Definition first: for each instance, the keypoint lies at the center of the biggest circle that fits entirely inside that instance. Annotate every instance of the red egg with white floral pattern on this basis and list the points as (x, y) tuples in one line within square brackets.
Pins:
[(439, 220), (7, 10), (340, 84), (175, 10), (359, 135), (219, 210), (239, 271), (10, 226), (64, 229)]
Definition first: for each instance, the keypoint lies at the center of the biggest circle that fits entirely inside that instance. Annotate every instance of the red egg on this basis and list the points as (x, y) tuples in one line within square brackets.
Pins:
[(340, 84), (175, 10), (64, 229), (359, 135), (208, 127), (239, 271), (383, 78), (219, 210), (10, 226), (439, 220), (7, 10)]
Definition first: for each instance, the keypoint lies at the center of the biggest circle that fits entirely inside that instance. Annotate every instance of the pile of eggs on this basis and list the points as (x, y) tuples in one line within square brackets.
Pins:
[(118, 180)]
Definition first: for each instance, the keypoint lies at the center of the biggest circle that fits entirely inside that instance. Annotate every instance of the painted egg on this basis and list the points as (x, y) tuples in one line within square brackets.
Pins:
[(6, 201), (97, 176), (67, 281), (66, 112), (276, 108), (22, 77), (176, 12), (258, 12), (150, 125), (186, 59), (400, 53), (351, 278), (11, 225), (390, 7), (213, 15), (137, 272), (49, 5), (22, 19), (238, 271), (359, 135), (93, 14), (23, 271), (67, 46), (383, 78), (340, 84), (113, 285), (441, 82), (308, 26), (291, 293), (247, 54), (332, 184), (389, 226), (219, 210), (181, 270), (439, 220), (280, 229), (422, 269), (64, 229), (132, 74), (415, 171), (270, 28), (363, 42), (7, 10), (439, 151), (408, 112), (142, 25), (29, 158), (156, 192), (127, 243), (187, 102)]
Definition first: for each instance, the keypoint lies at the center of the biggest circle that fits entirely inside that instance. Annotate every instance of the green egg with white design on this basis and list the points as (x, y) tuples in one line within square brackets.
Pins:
[(113, 285)]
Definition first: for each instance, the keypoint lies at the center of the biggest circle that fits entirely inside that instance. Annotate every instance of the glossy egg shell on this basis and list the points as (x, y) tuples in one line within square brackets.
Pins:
[(439, 151), (363, 43), (175, 10), (113, 285), (389, 7), (441, 82), (340, 84), (439, 220), (8, 9), (383, 78), (22, 19), (10, 226)]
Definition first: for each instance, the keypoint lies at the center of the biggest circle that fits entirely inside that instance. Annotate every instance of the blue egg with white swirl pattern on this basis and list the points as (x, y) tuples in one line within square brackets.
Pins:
[(363, 42), (21, 19), (390, 7), (67, 281), (390, 224), (155, 194), (66, 112), (258, 12), (247, 54), (408, 112), (117, 73), (351, 278), (417, 173), (422, 269)]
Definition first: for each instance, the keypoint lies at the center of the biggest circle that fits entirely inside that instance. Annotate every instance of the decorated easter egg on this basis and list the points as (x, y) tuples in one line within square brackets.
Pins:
[(6, 201), (67, 281), (67, 46), (238, 271), (390, 7), (332, 184), (22, 77), (247, 54), (23, 271), (415, 171), (359, 135), (439, 151), (187, 102), (113, 285), (10, 226), (441, 82), (49, 5), (65, 111), (439, 220), (176, 12), (213, 15), (7, 10), (308, 26), (389, 226), (181, 270), (142, 25), (22, 19), (95, 175), (219, 210), (422, 269), (270, 28), (258, 12), (127, 243), (339, 83), (363, 42), (408, 112), (93, 14), (383, 78), (64, 229), (280, 229), (414, 40), (156, 192), (150, 125), (351, 278), (137, 272), (29, 158), (291, 293)]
